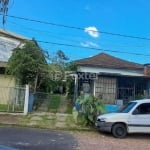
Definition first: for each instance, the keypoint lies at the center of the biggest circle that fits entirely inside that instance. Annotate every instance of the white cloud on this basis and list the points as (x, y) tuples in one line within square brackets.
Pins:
[(92, 31), (89, 44)]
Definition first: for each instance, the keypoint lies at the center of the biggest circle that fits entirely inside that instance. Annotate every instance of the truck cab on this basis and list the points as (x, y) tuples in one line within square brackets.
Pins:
[(132, 118)]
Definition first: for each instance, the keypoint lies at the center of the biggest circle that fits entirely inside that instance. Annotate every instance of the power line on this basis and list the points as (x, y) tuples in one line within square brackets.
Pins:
[(98, 49), (78, 28)]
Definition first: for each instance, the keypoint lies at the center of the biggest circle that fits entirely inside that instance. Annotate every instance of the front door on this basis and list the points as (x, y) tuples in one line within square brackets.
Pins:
[(139, 121)]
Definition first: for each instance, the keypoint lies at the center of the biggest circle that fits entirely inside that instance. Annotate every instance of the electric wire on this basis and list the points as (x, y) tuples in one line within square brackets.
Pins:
[(77, 28)]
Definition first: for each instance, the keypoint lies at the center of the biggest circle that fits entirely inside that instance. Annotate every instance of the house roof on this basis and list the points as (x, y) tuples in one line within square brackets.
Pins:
[(107, 61), (13, 35)]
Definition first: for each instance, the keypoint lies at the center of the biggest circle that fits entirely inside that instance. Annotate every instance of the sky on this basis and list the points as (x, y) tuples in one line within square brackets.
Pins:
[(84, 28)]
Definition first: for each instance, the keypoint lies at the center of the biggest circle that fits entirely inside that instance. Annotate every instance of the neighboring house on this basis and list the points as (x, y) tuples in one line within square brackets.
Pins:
[(6, 83), (112, 79), (8, 42)]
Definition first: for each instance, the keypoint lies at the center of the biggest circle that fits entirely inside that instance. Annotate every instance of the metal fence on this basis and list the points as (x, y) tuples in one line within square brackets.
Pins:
[(40, 101), (12, 99)]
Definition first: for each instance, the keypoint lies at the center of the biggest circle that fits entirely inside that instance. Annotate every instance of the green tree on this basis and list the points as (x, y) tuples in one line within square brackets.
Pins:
[(60, 59), (28, 65), (57, 71)]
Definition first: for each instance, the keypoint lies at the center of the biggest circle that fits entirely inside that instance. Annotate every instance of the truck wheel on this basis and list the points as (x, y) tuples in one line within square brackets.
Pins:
[(119, 130)]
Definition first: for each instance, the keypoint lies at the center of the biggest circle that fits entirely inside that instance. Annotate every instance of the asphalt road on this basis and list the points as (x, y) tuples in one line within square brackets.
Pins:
[(36, 139)]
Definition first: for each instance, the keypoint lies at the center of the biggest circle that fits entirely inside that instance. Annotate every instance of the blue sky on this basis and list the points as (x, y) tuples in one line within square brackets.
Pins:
[(128, 17)]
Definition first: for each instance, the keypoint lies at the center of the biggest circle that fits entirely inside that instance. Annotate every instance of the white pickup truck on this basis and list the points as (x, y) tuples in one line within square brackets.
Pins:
[(132, 118)]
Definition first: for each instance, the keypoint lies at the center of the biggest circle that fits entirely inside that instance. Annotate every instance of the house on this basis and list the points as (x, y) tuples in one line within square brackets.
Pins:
[(113, 79), (8, 42)]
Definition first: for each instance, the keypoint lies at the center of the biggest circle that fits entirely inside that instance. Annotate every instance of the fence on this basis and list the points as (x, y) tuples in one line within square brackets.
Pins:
[(40, 101), (12, 99)]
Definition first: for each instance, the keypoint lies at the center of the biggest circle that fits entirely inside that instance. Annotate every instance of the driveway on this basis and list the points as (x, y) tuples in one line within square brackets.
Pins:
[(36, 139)]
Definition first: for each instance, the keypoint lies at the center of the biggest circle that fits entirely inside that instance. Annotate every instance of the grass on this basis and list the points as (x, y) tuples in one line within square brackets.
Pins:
[(3, 107), (54, 103), (11, 108), (69, 108)]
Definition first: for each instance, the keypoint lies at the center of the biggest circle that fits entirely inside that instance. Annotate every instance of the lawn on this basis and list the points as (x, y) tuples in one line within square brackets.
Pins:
[(60, 104), (3, 107), (11, 108), (54, 103)]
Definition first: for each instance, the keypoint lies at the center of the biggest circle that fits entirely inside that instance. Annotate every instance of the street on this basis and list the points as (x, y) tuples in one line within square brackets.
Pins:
[(36, 139)]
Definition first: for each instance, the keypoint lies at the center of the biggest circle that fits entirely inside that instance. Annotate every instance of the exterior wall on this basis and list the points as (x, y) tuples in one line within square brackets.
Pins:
[(127, 85), (6, 84), (112, 71)]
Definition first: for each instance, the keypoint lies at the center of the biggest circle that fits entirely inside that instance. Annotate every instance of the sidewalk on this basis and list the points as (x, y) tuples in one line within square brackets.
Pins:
[(42, 120)]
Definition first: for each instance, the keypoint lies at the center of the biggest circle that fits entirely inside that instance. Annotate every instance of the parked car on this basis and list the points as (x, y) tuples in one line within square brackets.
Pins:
[(132, 118)]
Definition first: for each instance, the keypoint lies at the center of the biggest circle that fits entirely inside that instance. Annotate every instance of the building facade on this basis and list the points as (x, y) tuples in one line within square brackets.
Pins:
[(112, 79)]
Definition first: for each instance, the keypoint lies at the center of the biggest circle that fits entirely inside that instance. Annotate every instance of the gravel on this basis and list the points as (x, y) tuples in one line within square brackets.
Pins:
[(102, 141)]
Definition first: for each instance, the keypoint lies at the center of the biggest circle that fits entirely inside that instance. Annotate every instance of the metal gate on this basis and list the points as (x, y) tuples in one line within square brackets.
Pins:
[(12, 99)]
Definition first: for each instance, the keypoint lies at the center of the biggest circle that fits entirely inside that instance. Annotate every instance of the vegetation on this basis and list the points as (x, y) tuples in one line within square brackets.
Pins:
[(54, 103), (27, 64), (88, 109), (11, 108), (3, 107)]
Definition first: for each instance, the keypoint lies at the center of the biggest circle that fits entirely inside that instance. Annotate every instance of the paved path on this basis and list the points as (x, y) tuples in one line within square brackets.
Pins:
[(36, 139)]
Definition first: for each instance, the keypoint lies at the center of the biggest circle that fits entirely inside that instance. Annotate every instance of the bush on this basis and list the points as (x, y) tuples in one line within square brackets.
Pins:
[(89, 108)]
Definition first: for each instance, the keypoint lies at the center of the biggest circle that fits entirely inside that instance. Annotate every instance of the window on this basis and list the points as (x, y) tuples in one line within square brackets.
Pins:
[(143, 109), (127, 107)]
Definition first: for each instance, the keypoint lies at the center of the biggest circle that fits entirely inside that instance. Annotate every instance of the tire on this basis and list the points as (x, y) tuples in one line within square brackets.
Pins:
[(119, 130)]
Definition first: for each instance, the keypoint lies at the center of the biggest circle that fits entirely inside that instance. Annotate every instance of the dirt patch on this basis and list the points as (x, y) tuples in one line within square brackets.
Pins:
[(100, 141), (9, 119)]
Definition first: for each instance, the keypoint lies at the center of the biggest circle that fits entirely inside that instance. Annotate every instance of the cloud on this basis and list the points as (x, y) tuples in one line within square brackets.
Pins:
[(89, 44), (92, 31)]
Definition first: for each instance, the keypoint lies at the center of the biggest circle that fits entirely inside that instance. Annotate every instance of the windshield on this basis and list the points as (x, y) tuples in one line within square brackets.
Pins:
[(127, 107)]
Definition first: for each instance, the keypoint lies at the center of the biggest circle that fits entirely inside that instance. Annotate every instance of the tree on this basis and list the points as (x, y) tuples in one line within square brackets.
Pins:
[(60, 58), (4, 8), (28, 65)]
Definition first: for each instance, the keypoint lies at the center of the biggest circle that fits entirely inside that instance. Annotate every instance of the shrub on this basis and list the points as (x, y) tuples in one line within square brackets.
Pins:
[(90, 107)]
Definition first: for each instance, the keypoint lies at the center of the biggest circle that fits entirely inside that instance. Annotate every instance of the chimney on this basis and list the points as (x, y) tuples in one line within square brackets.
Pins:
[(147, 69)]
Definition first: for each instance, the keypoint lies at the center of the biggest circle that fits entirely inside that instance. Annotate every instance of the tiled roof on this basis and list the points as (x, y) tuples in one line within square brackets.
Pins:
[(107, 61)]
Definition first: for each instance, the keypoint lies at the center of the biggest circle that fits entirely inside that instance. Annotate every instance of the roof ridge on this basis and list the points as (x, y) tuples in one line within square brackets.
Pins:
[(109, 61), (14, 34), (120, 59)]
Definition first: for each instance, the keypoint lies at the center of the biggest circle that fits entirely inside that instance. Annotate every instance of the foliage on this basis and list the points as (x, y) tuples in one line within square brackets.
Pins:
[(60, 58), (89, 108), (56, 72), (54, 103), (28, 64), (71, 66)]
